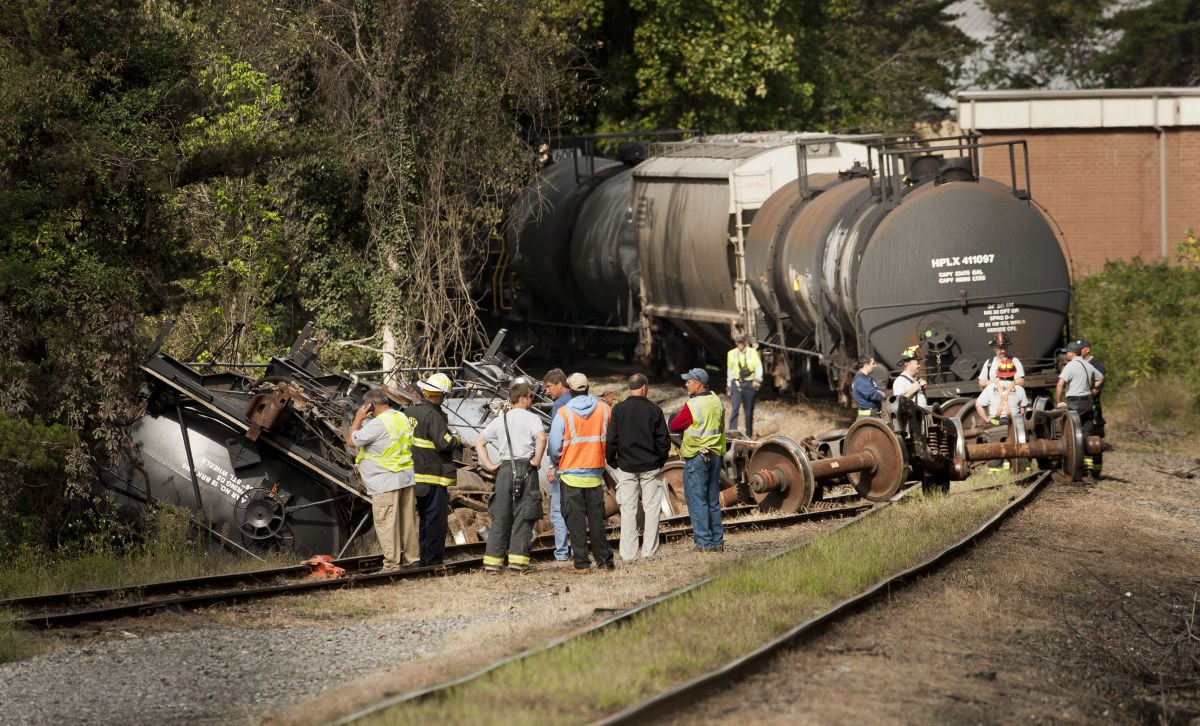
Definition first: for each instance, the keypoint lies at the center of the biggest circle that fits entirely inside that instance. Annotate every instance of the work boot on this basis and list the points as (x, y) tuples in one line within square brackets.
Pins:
[(491, 569)]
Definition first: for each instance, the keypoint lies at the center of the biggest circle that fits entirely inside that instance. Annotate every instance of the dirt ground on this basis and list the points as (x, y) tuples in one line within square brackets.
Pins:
[(1081, 609)]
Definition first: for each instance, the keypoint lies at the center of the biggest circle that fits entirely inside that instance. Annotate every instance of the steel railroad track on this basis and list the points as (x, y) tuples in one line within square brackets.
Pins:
[(693, 690), (86, 606)]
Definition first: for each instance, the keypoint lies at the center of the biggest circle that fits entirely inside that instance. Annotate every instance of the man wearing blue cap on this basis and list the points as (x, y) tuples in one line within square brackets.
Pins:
[(702, 423)]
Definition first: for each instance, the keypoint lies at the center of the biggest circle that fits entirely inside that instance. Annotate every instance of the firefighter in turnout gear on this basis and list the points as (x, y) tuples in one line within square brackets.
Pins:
[(433, 447)]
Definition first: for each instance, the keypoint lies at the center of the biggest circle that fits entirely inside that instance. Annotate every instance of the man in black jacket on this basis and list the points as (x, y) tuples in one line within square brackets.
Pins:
[(638, 445), (433, 447)]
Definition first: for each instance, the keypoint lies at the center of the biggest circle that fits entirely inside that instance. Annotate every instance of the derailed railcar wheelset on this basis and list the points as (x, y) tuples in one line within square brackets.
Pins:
[(819, 248), (877, 458)]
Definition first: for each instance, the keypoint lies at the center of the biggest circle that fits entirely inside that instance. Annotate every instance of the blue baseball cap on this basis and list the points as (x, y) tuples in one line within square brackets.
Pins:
[(696, 374)]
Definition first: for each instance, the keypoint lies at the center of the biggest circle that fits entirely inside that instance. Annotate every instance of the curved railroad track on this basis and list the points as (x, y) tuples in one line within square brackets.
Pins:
[(671, 700)]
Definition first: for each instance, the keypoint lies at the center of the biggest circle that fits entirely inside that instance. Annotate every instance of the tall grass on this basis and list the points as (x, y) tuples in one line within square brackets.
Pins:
[(112, 556), (733, 614)]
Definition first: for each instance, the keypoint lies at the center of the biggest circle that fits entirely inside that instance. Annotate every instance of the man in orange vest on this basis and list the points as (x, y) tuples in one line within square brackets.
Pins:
[(577, 452)]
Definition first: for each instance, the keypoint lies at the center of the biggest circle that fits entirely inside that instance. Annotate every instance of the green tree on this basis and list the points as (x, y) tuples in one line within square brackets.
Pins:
[(1094, 44), (91, 96), (838, 66)]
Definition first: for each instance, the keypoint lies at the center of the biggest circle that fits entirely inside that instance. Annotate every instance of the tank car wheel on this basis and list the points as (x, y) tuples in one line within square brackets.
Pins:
[(672, 477), (780, 476), (283, 541), (260, 514), (891, 460), (1073, 450), (1017, 434)]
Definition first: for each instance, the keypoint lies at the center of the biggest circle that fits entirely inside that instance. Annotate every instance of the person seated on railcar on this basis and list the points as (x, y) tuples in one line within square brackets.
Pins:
[(987, 374), (1000, 401)]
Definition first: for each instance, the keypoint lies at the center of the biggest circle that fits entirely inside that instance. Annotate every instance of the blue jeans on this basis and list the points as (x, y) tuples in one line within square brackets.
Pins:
[(561, 550), (702, 490), (741, 394)]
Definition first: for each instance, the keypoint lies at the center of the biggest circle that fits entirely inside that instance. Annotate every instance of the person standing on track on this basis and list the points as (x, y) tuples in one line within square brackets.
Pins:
[(382, 436), (702, 423), (519, 437), (578, 437), (1094, 463), (1076, 382), (743, 378), (433, 449), (555, 382), (637, 447)]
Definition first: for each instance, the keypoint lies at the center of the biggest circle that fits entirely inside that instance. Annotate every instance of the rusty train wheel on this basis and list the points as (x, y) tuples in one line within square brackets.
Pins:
[(1072, 436), (891, 460), (784, 475), (672, 476)]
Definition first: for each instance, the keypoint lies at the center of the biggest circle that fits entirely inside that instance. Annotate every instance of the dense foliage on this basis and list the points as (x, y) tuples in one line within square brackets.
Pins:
[(1094, 44), (1161, 302)]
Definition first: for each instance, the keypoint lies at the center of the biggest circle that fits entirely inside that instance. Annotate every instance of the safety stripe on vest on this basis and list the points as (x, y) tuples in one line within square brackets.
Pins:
[(441, 481), (571, 423), (422, 443)]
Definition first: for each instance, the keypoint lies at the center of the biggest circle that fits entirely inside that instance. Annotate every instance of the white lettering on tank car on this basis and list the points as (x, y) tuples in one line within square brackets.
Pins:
[(958, 276), (1001, 318), (217, 477)]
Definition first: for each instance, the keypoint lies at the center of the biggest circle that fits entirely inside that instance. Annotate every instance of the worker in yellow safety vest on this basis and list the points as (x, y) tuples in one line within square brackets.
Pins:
[(382, 437)]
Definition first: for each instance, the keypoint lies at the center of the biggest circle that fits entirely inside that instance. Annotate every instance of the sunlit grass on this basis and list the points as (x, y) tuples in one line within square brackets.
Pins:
[(733, 614)]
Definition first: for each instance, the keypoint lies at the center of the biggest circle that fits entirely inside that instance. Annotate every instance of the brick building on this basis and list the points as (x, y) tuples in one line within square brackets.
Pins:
[(1118, 171)]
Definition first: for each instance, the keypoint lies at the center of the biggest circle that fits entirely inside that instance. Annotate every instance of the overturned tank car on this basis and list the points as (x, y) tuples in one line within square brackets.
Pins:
[(261, 461)]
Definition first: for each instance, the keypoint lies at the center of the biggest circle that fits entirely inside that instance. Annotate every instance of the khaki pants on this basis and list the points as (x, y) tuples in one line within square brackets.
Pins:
[(644, 487), (410, 552), (395, 515)]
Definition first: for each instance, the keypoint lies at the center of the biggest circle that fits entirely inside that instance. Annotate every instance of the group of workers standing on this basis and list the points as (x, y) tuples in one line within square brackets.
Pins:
[(406, 462), (1002, 380), (406, 458)]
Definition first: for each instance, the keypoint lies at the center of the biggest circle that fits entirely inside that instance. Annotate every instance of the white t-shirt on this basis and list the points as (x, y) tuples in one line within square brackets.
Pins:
[(523, 427), (990, 400), (901, 385), (988, 371)]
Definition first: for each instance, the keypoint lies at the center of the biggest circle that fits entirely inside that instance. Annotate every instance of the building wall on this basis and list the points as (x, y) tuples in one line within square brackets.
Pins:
[(1102, 188)]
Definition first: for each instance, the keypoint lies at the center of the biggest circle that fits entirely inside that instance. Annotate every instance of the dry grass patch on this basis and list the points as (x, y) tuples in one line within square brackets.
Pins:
[(734, 613)]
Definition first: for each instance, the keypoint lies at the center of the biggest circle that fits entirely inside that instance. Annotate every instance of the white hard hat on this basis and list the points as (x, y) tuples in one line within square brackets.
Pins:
[(437, 383)]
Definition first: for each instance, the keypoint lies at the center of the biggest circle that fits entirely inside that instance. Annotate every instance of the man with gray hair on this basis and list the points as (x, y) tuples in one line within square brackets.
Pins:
[(383, 438), (637, 447)]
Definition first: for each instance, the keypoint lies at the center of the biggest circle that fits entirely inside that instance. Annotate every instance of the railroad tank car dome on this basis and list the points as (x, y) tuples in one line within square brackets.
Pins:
[(956, 263)]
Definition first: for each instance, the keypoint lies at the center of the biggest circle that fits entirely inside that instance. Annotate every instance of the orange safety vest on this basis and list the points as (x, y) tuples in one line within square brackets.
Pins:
[(584, 438)]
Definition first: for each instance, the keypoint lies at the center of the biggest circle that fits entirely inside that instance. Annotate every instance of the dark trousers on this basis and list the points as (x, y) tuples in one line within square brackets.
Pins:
[(584, 512), (511, 534), (1086, 408), (432, 511), (742, 396)]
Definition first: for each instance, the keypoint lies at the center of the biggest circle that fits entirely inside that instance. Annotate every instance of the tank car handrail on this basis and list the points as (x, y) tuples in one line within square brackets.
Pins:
[(956, 301)]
